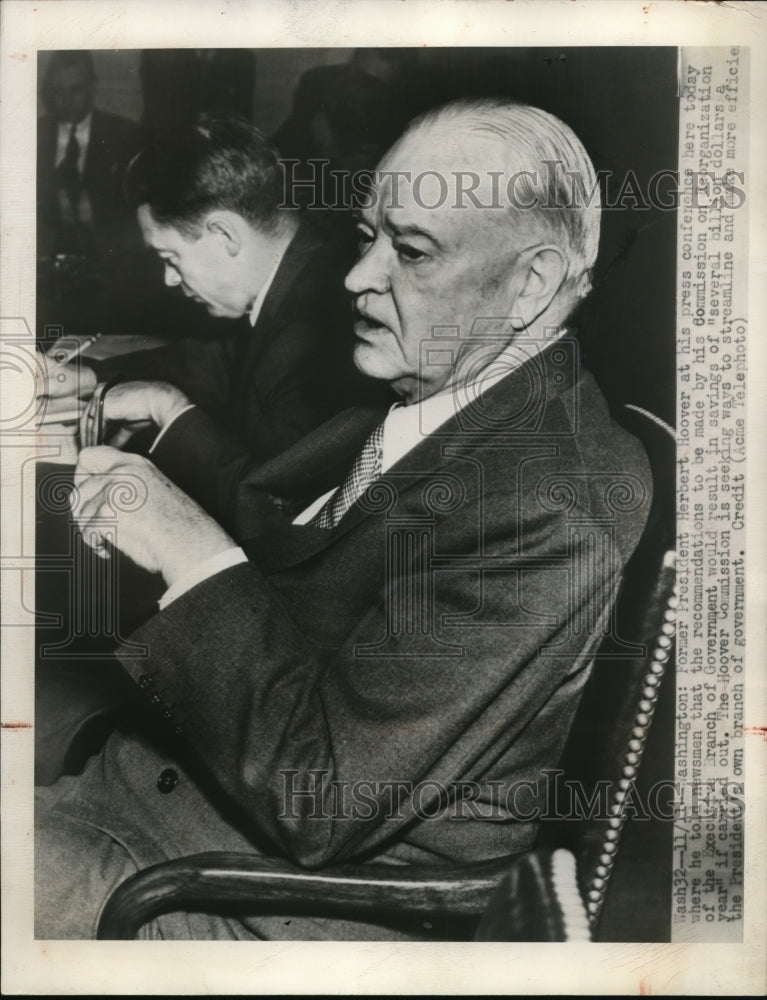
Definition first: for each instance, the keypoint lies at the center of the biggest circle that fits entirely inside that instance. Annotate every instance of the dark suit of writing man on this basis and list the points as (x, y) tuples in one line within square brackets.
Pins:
[(209, 199), (430, 638), (273, 375)]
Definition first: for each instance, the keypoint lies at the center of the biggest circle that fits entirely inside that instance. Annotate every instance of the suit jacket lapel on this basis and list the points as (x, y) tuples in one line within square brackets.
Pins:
[(320, 460), (274, 493), (284, 284), (305, 241), (512, 411), (94, 164), (509, 412)]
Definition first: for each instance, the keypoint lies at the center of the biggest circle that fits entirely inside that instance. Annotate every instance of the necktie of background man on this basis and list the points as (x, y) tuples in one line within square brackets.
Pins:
[(69, 174)]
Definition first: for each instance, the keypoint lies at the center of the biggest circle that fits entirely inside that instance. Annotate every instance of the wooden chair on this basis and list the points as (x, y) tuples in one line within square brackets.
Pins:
[(556, 891)]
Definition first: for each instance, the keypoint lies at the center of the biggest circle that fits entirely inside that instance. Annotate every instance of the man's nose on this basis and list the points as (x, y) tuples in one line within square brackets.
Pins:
[(172, 277), (370, 273)]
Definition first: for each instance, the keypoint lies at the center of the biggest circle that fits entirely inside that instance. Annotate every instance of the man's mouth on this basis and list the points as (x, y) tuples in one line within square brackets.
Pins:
[(366, 324)]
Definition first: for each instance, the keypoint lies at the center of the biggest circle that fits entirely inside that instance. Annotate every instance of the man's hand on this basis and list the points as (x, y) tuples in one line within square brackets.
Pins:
[(60, 381), (135, 405), (146, 516)]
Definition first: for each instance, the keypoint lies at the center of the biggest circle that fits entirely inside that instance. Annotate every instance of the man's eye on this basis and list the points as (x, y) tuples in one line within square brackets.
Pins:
[(365, 237), (408, 253)]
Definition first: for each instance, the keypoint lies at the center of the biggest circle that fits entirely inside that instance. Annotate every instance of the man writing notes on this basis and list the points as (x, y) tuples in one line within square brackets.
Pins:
[(209, 203), (375, 677)]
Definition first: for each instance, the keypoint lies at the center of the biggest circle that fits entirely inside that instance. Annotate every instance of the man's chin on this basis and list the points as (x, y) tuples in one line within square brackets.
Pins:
[(371, 361), (223, 312), (216, 311)]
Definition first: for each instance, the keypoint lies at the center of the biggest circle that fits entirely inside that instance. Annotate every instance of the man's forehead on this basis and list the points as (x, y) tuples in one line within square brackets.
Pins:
[(435, 178), (157, 235)]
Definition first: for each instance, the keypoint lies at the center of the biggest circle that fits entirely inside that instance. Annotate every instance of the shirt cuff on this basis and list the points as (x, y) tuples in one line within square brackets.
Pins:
[(206, 569), (169, 424)]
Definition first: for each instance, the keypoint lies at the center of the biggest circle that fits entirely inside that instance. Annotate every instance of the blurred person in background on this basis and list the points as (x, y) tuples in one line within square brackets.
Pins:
[(82, 154)]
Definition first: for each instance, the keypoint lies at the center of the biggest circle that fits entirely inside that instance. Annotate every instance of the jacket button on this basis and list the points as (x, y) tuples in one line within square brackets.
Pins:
[(167, 780)]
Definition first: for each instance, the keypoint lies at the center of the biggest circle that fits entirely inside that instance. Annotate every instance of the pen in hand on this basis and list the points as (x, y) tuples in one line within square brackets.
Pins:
[(67, 356)]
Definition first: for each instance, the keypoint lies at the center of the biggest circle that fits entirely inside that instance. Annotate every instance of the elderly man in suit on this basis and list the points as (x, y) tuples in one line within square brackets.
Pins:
[(397, 646)]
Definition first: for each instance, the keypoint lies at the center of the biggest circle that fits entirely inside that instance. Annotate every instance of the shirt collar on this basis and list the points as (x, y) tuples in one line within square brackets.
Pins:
[(406, 426), (82, 129), (258, 302)]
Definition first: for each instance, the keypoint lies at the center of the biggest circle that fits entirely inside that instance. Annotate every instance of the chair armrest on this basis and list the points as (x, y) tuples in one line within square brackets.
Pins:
[(537, 900), (214, 879)]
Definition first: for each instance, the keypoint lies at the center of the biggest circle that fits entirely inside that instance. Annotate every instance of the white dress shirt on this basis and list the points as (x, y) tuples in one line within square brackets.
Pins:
[(83, 136), (404, 428)]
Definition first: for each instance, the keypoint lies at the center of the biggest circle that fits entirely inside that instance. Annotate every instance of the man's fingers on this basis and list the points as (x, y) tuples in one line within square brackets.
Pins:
[(126, 402), (87, 495), (54, 379), (124, 433), (133, 401), (107, 485), (92, 488), (93, 537), (104, 458), (89, 502)]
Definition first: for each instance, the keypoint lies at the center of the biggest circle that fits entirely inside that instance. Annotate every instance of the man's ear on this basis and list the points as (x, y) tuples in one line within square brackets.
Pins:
[(226, 227), (544, 269)]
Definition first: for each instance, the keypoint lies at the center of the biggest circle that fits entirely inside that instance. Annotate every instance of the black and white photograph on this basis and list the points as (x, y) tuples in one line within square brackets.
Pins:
[(378, 442)]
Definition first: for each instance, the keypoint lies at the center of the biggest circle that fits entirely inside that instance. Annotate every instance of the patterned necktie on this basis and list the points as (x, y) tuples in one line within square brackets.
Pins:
[(69, 173), (366, 468)]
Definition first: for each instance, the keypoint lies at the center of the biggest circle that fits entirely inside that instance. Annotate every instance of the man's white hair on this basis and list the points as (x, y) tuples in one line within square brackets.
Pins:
[(563, 189)]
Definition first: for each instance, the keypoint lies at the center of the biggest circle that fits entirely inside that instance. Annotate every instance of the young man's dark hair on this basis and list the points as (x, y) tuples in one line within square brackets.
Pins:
[(221, 161)]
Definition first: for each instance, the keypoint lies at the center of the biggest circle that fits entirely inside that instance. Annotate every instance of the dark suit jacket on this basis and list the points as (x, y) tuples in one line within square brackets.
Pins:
[(113, 142), (439, 637), (265, 387)]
